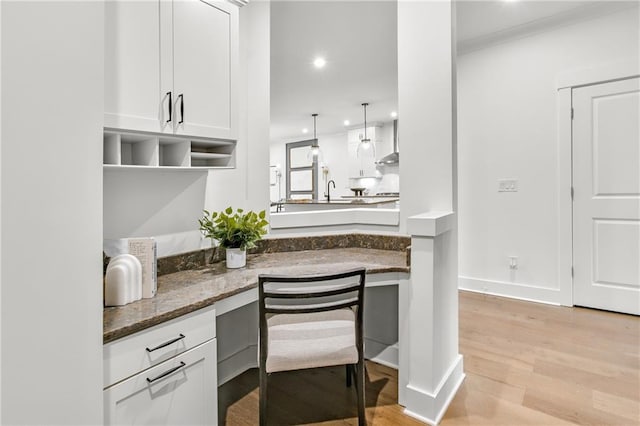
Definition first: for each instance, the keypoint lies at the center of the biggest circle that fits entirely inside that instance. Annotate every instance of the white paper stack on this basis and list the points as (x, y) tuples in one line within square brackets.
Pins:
[(145, 250)]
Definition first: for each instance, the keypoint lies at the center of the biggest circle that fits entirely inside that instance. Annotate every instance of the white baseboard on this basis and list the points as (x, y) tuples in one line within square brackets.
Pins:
[(237, 364), (381, 353), (526, 292), (430, 407)]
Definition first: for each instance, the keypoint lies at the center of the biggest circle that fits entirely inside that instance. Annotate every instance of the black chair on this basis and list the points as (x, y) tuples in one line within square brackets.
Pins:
[(311, 321)]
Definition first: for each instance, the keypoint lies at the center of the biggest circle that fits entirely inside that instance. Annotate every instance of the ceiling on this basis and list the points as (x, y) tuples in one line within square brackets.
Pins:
[(358, 39)]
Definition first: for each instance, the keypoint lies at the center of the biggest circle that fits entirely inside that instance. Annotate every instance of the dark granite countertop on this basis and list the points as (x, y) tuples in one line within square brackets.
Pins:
[(186, 291)]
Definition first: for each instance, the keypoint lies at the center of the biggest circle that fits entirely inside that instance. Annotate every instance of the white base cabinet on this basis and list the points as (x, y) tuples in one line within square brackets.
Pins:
[(180, 391), (165, 375)]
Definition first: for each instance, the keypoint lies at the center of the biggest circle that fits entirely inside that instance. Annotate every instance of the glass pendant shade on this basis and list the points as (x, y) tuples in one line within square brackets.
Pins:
[(366, 148), (315, 153)]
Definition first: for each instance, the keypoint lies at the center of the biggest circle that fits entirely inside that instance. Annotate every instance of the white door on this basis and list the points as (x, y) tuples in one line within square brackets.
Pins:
[(606, 208), (204, 66), (132, 99)]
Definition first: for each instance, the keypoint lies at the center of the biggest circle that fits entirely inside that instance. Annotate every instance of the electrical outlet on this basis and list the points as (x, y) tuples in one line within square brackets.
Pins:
[(507, 185), (513, 262)]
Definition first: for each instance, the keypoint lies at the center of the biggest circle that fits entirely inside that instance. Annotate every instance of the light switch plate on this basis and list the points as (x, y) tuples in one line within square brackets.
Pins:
[(507, 185)]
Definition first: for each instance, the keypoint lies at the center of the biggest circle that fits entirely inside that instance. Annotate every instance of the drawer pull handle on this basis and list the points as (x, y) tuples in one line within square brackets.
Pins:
[(166, 373), (170, 342)]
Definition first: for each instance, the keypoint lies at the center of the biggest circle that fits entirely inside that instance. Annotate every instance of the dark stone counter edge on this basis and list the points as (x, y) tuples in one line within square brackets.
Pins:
[(119, 333)]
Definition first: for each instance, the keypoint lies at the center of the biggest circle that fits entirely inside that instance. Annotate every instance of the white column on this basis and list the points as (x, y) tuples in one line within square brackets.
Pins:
[(430, 365), (426, 98)]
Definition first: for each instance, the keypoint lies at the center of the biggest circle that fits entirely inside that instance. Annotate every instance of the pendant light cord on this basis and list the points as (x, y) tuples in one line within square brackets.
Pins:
[(364, 106), (314, 125)]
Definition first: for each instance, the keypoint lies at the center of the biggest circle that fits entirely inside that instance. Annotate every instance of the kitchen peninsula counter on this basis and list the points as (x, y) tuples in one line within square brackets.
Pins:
[(367, 200), (186, 291)]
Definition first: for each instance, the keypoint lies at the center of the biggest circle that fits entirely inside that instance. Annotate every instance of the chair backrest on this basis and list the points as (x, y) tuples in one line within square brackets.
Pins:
[(286, 294), (281, 294)]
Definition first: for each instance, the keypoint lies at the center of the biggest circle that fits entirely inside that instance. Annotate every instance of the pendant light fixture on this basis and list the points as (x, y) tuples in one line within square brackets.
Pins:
[(366, 148), (315, 154)]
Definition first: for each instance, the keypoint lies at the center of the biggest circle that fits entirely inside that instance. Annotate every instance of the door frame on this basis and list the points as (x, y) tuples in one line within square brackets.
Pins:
[(565, 84), (313, 168)]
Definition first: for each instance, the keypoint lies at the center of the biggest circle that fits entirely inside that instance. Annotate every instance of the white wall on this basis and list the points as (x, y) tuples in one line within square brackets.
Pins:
[(334, 152), (167, 204), (52, 106), (507, 106), (255, 46)]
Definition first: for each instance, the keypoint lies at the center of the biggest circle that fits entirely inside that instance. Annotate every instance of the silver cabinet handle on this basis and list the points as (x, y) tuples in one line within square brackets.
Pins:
[(166, 373), (170, 342)]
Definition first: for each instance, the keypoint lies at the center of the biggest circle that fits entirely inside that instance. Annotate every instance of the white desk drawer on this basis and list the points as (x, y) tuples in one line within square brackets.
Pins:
[(135, 353), (180, 391)]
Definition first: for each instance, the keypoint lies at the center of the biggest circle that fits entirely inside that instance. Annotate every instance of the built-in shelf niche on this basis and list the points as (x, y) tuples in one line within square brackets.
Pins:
[(212, 153), (148, 150)]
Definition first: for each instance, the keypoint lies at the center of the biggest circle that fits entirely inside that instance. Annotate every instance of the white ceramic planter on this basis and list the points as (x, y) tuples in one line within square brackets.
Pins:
[(236, 258)]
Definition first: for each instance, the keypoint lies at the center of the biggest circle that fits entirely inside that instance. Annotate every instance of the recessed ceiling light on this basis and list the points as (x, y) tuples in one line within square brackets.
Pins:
[(347, 122), (319, 62), (305, 130), (394, 114)]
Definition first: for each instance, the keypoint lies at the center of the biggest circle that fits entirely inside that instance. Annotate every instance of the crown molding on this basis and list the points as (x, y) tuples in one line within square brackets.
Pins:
[(537, 26)]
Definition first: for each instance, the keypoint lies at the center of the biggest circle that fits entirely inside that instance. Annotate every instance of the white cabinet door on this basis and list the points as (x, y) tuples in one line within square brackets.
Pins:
[(606, 210), (180, 391), (171, 66), (132, 54), (205, 60)]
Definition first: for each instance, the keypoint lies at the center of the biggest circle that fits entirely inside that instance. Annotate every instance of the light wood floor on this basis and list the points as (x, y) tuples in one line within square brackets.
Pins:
[(526, 364)]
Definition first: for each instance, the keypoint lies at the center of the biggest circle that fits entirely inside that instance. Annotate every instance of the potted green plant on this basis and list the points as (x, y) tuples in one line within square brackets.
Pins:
[(235, 231)]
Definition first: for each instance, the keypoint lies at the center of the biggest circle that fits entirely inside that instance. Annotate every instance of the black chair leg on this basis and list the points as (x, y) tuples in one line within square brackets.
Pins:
[(348, 368), (263, 397), (362, 421)]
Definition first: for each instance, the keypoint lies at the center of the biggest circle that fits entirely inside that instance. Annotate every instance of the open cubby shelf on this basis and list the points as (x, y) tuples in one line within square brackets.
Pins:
[(133, 150)]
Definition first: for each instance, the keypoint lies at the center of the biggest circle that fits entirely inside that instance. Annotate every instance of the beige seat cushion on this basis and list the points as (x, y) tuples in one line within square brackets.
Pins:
[(318, 339)]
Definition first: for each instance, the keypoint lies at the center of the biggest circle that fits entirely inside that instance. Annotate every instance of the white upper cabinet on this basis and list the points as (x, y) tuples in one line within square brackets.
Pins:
[(171, 67), (132, 76), (204, 65)]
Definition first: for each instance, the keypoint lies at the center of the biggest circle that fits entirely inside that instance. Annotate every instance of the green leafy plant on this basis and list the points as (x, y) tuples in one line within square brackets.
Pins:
[(234, 229)]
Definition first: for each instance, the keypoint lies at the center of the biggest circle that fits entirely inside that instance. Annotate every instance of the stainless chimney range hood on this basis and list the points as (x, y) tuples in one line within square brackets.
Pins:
[(394, 157)]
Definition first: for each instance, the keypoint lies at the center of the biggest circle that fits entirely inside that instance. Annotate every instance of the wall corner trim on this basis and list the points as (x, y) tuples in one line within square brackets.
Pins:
[(430, 224)]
